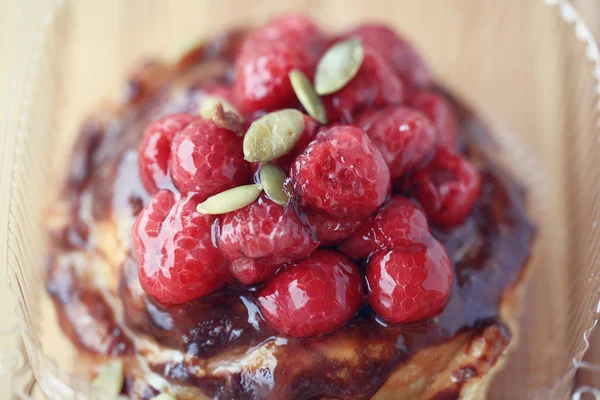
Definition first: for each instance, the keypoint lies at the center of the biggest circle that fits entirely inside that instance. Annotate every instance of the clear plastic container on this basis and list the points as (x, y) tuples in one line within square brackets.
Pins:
[(531, 68)]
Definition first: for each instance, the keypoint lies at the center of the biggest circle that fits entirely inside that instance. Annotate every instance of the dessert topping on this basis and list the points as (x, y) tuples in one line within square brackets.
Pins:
[(338, 66), (273, 135), (272, 178), (309, 99), (230, 200)]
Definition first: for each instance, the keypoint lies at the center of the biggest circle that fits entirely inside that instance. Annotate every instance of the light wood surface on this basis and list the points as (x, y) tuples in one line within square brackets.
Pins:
[(13, 31)]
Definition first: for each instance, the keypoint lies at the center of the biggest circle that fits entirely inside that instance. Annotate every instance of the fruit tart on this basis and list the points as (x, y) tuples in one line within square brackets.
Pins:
[(285, 213)]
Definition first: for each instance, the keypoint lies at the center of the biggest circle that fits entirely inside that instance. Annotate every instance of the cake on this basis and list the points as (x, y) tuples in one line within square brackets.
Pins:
[(283, 213)]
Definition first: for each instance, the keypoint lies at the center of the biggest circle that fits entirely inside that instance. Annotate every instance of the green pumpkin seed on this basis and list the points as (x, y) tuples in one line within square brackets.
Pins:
[(164, 396), (309, 99), (272, 178), (209, 102), (338, 66), (273, 135), (110, 379), (230, 200)]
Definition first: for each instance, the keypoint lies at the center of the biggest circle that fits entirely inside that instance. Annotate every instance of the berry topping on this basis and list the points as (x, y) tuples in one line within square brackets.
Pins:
[(440, 113), (206, 159), (155, 150), (447, 188), (266, 232), (399, 223), (375, 85), (318, 295), (331, 231), (410, 285), (399, 53), (175, 251), (404, 137), (266, 58), (341, 173)]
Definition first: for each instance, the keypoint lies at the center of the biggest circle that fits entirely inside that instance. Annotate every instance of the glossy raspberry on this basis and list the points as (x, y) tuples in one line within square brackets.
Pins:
[(318, 295), (405, 137), (398, 52), (341, 173), (206, 159), (410, 285), (399, 223), (176, 255), (447, 188), (263, 235), (440, 113), (375, 85), (331, 231), (155, 151), (268, 55)]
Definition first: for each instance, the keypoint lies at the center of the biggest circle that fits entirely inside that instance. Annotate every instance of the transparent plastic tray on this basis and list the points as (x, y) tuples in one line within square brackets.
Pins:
[(531, 68)]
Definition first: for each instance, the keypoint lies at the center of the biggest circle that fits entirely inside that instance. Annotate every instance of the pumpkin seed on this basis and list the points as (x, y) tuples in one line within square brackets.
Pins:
[(164, 396), (273, 135), (230, 200), (272, 178), (309, 99), (338, 66), (209, 102), (110, 379)]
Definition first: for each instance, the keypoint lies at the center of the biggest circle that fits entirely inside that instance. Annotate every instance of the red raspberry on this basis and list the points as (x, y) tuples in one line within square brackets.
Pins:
[(268, 55), (331, 231), (375, 85), (399, 223), (175, 252), (318, 295), (410, 285), (447, 188), (440, 113), (263, 235), (341, 173), (155, 150), (398, 52), (404, 137), (206, 159)]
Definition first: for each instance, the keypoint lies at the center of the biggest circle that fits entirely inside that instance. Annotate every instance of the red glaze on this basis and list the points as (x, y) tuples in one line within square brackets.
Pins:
[(206, 159), (410, 284), (405, 137), (331, 231), (399, 53), (155, 151), (447, 188), (399, 223), (316, 296), (341, 173), (268, 55), (440, 113), (375, 85), (175, 252), (264, 235)]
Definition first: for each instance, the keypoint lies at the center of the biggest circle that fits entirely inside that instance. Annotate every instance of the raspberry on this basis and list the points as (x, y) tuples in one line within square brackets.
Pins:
[(261, 236), (331, 231), (440, 113), (404, 137), (206, 159), (399, 223), (177, 259), (155, 150), (447, 188), (341, 173), (375, 85), (410, 285), (268, 55), (318, 295), (399, 53)]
